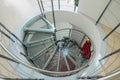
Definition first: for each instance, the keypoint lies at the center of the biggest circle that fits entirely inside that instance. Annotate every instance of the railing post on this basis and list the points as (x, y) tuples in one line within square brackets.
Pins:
[(53, 13), (53, 19), (12, 34), (40, 8), (103, 12), (42, 5), (70, 30), (112, 53), (7, 58), (82, 40), (74, 8), (111, 32), (7, 35), (59, 4)]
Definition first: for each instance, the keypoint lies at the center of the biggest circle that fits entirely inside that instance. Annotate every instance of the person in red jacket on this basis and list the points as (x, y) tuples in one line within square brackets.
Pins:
[(86, 48)]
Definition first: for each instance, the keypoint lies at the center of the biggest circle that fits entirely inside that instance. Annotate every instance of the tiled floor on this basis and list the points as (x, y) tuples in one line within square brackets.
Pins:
[(112, 63)]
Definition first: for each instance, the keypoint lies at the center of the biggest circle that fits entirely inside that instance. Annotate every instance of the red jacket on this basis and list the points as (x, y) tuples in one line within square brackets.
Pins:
[(86, 48)]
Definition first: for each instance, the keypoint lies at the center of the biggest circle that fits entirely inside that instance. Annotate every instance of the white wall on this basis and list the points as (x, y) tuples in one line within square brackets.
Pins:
[(14, 12), (77, 36), (93, 9)]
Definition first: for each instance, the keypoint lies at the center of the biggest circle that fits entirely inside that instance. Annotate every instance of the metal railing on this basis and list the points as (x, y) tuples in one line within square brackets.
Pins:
[(112, 41), (59, 5), (40, 70), (112, 38), (14, 55)]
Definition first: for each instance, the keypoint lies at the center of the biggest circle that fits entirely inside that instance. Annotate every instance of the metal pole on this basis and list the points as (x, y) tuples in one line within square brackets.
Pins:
[(59, 4), (74, 8), (111, 32), (110, 54), (7, 36), (12, 34), (40, 8), (50, 58), (66, 62), (53, 13), (72, 60), (82, 40), (70, 30), (4, 57), (58, 61), (103, 12), (53, 19), (42, 5)]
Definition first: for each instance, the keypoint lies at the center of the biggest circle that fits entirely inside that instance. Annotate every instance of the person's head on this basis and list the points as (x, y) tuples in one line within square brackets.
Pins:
[(88, 39)]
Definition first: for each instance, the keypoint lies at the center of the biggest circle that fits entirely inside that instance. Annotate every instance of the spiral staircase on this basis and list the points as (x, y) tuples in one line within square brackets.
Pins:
[(51, 48), (59, 45)]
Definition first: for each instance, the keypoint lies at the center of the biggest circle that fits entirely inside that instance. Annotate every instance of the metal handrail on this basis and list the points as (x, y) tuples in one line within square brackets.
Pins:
[(40, 70), (74, 30)]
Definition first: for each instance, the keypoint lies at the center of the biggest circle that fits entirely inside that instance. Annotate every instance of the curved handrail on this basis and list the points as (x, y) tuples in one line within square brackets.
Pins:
[(40, 70)]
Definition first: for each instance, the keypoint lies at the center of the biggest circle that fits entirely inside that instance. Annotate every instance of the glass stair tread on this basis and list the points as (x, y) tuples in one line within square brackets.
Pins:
[(40, 61), (38, 47), (38, 36)]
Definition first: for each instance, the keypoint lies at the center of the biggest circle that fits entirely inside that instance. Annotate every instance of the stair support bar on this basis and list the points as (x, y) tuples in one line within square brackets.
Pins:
[(66, 62), (58, 61), (73, 61), (39, 31), (50, 58), (37, 41), (40, 52)]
